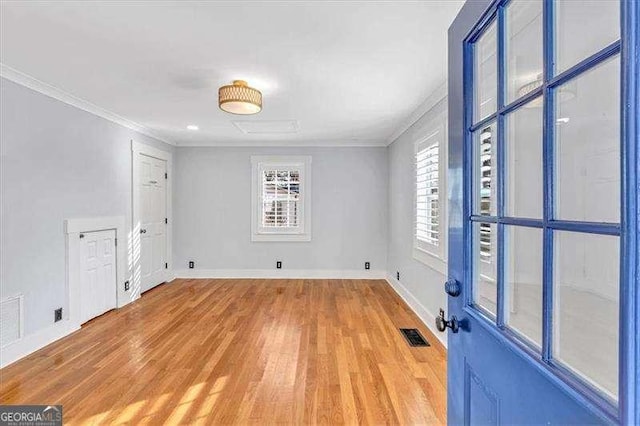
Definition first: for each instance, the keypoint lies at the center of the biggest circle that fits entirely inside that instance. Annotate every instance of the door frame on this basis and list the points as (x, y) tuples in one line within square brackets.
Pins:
[(472, 16), (138, 148), (72, 229)]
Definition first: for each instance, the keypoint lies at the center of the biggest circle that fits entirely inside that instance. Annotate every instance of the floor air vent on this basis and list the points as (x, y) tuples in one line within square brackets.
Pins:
[(414, 337)]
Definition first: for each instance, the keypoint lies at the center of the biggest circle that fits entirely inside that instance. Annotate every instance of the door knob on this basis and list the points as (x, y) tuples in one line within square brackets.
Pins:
[(442, 324), (452, 287)]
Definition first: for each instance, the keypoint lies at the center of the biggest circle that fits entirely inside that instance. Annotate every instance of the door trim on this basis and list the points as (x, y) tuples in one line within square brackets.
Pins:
[(138, 148), (72, 229)]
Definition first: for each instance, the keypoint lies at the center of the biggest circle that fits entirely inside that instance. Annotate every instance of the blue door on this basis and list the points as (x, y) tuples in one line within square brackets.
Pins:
[(544, 256)]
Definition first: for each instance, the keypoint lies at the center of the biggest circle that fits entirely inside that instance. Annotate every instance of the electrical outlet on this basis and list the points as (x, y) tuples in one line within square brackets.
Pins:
[(367, 265), (192, 264), (126, 286), (398, 276), (278, 265), (57, 315)]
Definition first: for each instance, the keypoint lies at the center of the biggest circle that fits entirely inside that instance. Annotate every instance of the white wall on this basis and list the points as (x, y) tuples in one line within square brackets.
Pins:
[(420, 285), (58, 162), (212, 210)]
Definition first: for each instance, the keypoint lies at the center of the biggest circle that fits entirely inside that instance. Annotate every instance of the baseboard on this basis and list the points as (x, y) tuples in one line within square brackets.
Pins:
[(418, 308), (32, 342), (281, 273)]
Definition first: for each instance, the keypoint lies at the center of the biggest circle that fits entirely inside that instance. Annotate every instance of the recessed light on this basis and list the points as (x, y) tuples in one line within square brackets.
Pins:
[(192, 127)]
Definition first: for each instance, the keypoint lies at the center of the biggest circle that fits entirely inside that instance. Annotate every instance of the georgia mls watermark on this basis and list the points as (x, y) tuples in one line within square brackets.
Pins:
[(30, 415)]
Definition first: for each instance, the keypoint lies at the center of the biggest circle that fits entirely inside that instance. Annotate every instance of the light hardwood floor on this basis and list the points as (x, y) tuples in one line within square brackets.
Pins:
[(242, 351)]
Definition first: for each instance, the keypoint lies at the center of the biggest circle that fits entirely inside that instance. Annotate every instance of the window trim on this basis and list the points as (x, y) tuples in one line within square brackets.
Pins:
[(262, 162), (435, 257)]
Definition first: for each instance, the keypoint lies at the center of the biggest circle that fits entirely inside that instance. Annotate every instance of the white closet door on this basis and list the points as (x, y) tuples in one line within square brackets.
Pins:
[(98, 270), (153, 213)]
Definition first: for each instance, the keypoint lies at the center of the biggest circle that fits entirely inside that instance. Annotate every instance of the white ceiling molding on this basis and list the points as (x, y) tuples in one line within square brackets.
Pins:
[(32, 83), (289, 143), (59, 94), (435, 97)]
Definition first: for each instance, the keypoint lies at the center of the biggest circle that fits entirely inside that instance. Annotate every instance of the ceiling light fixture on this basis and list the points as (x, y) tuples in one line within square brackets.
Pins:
[(239, 98), (564, 93), (192, 127), (530, 86)]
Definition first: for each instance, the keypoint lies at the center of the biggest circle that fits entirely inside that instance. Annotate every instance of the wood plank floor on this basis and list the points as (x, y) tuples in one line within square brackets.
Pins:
[(242, 352)]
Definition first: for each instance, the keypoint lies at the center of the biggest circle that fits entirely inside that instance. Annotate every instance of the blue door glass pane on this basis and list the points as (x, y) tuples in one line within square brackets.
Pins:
[(485, 170), (485, 281), (523, 170), (523, 47), (582, 28), (523, 282), (486, 74), (587, 124), (586, 294)]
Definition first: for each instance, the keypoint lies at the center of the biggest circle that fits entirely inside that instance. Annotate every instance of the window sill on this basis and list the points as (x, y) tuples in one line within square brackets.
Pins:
[(266, 237), (431, 260)]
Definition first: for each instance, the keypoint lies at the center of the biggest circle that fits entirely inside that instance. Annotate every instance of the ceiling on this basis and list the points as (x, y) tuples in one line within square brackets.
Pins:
[(337, 73)]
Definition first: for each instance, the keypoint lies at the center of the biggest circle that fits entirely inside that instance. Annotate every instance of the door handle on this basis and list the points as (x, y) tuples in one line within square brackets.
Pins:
[(153, 182), (442, 324), (143, 231), (452, 287)]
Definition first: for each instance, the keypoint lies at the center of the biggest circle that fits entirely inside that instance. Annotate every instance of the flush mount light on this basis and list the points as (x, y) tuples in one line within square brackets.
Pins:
[(239, 98), (530, 86), (565, 92), (192, 127)]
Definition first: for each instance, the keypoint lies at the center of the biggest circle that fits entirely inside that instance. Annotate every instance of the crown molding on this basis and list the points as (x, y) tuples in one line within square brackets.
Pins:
[(46, 89), (53, 92), (431, 101), (365, 143)]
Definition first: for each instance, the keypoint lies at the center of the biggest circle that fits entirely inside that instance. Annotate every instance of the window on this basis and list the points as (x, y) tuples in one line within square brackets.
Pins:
[(429, 203), (281, 199)]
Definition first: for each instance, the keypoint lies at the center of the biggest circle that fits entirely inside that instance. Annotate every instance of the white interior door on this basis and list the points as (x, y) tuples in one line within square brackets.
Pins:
[(153, 214), (98, 268)]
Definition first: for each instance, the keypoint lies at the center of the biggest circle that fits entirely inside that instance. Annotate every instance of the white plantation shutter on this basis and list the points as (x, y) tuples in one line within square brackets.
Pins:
[(280, 198), (427, 195), (430, 191), (487, 186)]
